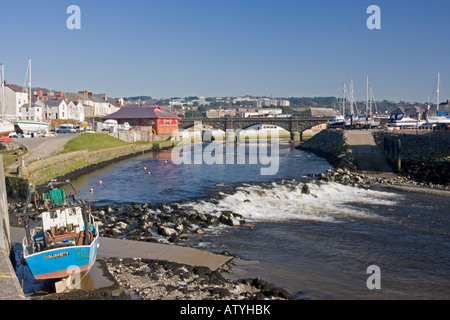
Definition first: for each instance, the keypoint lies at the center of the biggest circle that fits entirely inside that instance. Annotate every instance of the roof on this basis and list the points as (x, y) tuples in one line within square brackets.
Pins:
[(98, 98), (141, 113), (71, 96), (319, 112), (15, 87), (53, 103)]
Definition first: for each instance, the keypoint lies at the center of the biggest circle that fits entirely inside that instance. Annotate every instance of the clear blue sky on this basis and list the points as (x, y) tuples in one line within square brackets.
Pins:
[(283, 48)]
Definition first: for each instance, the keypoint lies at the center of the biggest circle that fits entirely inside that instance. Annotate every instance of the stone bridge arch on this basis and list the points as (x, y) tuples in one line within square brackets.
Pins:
[(295, 125)]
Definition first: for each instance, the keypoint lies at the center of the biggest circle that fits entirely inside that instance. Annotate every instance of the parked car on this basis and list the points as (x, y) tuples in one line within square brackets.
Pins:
[(64, 128)]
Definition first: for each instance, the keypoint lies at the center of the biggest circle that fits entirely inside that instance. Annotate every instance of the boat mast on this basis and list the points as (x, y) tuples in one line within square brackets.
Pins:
[(343, 99), (352, 99), (29, 91), (439, 78), (367, 94), (2, 110)]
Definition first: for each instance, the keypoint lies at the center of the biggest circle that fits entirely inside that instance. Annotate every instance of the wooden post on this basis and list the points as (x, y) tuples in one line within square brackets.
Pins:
[(399, 156)]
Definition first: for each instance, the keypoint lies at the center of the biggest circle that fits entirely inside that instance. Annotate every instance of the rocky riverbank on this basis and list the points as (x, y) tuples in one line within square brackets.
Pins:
[(425, 157), (359, 180), (143, 279), (164, 223), (331, 145)]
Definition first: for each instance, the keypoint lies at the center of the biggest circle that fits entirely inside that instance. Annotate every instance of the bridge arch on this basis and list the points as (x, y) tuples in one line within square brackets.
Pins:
[(295, 125)]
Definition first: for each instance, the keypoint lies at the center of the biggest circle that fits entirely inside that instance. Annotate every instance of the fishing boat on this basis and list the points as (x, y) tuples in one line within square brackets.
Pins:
[(64, 241)]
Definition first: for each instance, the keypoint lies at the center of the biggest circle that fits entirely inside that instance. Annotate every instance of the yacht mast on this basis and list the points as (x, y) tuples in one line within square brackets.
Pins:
[(367, 94), (439, 78), (29, 91), (2, 109)]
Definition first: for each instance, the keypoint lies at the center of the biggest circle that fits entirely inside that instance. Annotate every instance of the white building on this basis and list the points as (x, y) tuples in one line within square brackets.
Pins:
[(104, 105), (53, 109), (263, 112), (15, 97), (75, 111), (35, 114), (283, 103)]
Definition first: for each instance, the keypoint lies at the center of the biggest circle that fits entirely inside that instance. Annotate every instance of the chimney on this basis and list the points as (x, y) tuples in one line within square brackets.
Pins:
[(90, 94), (103, 95), (84, 93), (40, 93)]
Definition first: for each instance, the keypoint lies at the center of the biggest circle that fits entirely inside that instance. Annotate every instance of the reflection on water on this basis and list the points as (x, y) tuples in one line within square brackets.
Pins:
[(154, 178)]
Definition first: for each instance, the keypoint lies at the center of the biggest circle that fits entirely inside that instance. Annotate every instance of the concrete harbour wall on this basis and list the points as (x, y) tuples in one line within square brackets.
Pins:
[(5, 239), (9, 284)]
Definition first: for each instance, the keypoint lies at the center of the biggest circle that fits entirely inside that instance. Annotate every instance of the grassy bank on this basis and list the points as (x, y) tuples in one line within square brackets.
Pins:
[(93, 142)]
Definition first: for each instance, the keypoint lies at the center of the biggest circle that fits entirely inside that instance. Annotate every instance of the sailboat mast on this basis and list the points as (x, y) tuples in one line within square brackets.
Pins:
[(439, 78), (2, 110), (367, 94), (29, 91)]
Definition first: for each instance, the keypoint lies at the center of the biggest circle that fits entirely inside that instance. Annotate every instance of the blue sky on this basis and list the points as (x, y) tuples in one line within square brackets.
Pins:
[(283, 48)]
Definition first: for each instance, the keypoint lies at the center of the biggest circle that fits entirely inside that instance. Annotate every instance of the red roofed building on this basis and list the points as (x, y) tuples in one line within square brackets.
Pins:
[(148, 118)]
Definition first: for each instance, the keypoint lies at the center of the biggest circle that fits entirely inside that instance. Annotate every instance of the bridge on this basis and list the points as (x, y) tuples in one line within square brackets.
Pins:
[(295, 125)]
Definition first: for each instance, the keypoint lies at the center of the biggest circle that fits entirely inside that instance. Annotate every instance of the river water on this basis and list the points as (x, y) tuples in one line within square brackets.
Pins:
[(317, 245)]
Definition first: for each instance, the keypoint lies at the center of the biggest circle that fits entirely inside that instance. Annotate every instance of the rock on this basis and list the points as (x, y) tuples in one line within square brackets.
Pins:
[(179, 228), (115, 232), (199, 231), (167, 231), (227, 217), (121, 225), (305, 189)]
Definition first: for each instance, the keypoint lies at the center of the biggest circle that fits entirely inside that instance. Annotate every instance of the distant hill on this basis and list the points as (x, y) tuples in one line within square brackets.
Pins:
[(137, 98)]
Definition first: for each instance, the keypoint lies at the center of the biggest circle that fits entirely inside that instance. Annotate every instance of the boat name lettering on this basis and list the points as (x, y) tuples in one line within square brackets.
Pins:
[(57, 255)]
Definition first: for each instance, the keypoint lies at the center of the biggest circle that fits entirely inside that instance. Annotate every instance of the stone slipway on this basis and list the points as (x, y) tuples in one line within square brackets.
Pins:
[(368, 157), (122, 248)]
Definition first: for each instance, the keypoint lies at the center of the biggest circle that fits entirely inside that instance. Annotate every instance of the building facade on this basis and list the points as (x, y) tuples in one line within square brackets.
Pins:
[(147, 118)]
